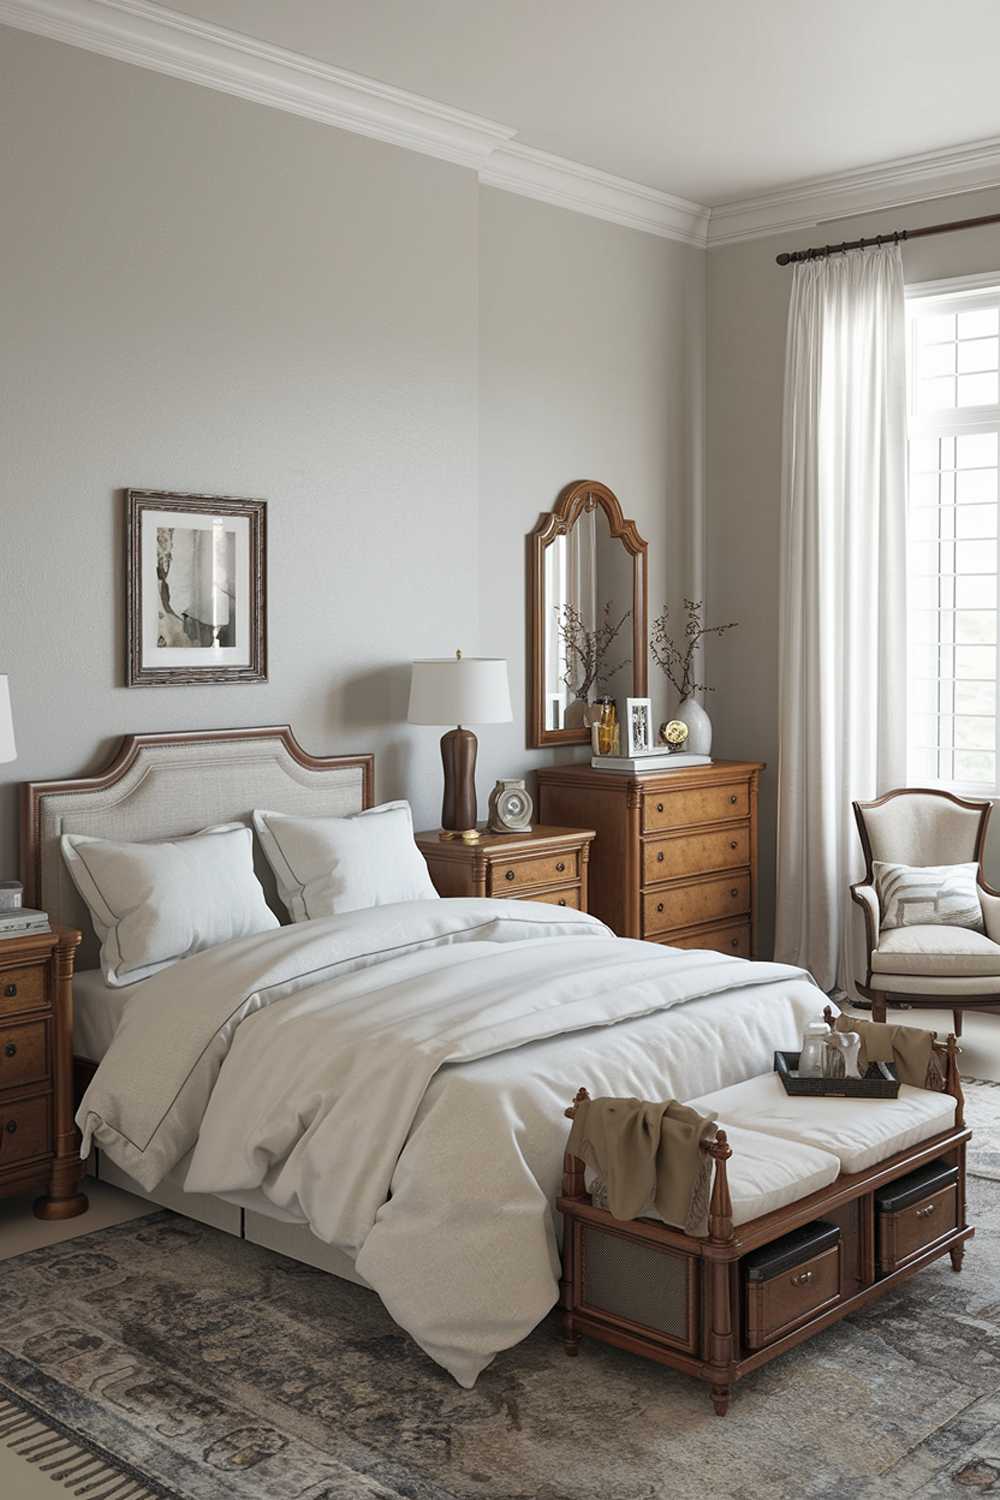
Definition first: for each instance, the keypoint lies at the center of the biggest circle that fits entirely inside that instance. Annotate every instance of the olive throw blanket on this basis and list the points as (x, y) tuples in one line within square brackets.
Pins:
[(908, 1047), (647, 1156)]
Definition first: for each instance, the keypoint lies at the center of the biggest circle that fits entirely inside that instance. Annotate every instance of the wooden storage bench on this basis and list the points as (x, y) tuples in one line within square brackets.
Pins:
[(705, 1306)]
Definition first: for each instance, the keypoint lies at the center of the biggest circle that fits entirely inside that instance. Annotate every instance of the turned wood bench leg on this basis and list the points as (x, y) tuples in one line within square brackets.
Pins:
[(957, 1253), (720, 1399)]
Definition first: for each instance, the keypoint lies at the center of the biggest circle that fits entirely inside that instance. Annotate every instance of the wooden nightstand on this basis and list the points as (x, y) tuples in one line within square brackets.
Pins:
[(38, 1141), (546, 864)]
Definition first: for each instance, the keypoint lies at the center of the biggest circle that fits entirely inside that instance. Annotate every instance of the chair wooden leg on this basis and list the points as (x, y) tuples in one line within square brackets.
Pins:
[(957, 1018), (878, 1010)]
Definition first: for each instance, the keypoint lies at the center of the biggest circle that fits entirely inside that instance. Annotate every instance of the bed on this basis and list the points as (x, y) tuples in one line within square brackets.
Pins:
[(379, 1094)]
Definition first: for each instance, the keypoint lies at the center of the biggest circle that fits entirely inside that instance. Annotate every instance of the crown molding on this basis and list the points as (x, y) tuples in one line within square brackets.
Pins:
[(568, 184), (891, 184), (151, 36)]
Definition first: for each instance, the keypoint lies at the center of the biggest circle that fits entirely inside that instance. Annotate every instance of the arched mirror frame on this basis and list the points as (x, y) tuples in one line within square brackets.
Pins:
[(573, 501)]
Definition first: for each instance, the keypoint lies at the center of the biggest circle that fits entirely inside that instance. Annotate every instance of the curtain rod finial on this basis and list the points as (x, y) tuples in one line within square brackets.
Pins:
[(783, 258)]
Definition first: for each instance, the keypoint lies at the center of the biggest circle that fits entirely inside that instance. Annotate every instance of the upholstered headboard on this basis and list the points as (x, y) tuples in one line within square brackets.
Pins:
[(161, 786)]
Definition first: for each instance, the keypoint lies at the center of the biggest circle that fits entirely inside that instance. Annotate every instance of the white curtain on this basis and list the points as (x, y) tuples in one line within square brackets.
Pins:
[(842, 731)]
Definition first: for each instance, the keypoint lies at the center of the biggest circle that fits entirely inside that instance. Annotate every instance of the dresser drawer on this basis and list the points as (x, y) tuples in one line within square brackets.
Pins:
[(903, 1234), (690, 905), (22, 989), (24, 1054), (731, 937), (695, 854), (777, 1306), (568, 897), (24, 1130), (543, 869), (687, 807)]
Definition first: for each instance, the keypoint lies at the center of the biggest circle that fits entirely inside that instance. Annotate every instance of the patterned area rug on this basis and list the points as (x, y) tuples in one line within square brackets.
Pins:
[(983, 1110), (218, 1371)]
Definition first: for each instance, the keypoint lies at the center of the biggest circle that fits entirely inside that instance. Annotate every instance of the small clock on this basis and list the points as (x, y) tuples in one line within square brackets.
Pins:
[(510, 807)]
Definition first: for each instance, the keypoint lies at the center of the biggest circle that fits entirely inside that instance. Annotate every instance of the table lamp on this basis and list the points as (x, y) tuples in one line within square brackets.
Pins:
[(8, 749), (459, 690)]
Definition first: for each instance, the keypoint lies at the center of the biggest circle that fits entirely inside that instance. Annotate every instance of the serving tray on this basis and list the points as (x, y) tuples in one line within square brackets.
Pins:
[(880, 1082)]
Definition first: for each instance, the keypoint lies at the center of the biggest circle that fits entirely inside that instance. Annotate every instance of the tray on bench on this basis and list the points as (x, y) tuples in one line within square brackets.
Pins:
[(880, 1082)]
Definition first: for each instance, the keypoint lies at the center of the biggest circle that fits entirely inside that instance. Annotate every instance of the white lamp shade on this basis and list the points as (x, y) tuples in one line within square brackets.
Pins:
[(8, 749), (462, 690)]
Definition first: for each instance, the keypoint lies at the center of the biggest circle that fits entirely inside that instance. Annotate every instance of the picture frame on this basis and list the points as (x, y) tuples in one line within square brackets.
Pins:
[(639, 725), (196, 589)]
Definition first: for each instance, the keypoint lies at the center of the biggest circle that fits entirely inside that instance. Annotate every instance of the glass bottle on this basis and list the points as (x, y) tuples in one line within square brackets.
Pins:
[(812, 1058)]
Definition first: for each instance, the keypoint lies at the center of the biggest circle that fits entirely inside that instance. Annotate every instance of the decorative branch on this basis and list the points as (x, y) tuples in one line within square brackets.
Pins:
[(587, 650), (677, 661)]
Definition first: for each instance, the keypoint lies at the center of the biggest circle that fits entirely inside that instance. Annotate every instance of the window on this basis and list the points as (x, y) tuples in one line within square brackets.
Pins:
[(953, 357)]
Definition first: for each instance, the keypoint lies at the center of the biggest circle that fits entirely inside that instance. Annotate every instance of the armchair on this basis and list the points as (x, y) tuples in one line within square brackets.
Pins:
[(929, 966)]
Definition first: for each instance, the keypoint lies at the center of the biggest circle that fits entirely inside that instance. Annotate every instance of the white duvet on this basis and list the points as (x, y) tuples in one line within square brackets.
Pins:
[(396, 1079)]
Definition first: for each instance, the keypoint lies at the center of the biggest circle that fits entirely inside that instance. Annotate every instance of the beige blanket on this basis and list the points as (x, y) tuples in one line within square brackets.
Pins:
[(908, 1047), (648, 1156)]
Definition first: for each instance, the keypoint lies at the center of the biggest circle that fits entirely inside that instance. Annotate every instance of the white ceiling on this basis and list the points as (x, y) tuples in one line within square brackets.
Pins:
[(713, 100)]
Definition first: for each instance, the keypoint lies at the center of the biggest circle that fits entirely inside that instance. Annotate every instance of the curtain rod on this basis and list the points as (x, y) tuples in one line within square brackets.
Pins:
[(819, 252)]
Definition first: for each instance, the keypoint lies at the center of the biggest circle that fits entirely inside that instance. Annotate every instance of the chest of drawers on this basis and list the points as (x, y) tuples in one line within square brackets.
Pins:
[(675, 857)]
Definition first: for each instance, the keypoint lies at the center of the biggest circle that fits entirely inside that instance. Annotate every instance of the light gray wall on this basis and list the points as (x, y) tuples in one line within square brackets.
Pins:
[(591, 367), (747, 308), (204, 294)]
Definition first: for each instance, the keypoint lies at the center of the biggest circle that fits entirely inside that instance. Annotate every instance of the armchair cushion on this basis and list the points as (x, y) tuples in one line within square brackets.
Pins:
[(948, 952), (923, 895)]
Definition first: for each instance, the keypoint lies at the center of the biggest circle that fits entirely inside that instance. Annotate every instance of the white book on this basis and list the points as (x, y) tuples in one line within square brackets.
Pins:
[(23, 919), (652, 760)]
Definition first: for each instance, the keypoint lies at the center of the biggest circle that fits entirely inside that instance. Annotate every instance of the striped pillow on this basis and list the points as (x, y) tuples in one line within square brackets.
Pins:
[(943, 895)]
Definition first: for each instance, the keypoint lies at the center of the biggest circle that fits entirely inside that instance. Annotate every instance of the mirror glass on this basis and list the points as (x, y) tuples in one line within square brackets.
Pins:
[(589, 612)]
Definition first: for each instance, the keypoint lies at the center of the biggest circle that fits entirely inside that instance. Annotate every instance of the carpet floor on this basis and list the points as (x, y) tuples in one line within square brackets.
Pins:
[(215, 1370)]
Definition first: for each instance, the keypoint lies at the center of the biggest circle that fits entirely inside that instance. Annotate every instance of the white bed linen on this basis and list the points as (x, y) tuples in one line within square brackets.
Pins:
[(97, 1009), (397, 1080)]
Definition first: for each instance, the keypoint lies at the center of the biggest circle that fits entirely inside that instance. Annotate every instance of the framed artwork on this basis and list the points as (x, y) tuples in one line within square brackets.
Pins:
[(196, 591), (639, 725)]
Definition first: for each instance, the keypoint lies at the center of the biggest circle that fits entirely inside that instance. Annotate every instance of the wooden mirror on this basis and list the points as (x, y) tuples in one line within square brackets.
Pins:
[(586, 584)]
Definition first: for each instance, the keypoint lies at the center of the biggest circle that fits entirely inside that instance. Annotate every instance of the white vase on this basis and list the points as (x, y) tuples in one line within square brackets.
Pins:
[(699, 740)]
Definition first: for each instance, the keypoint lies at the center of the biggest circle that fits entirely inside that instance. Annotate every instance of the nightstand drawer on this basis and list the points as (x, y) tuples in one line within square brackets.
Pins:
[(731, 937), (24, 1130), (695, 854), (24, 1054), (22, 989), (687, 906), (686, 807), (568, 897), (546, 869)]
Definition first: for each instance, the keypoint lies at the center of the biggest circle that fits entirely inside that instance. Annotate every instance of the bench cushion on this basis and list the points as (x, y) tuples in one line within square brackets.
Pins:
[(764, 1173), (858, 1132)]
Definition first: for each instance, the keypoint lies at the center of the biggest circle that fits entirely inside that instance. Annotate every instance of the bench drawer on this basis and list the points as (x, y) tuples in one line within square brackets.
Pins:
[(24, 1130), (903, 1234), (686, 808), (23, 989), (777, 1306), (690, 905), (520, 874), (695, 854)]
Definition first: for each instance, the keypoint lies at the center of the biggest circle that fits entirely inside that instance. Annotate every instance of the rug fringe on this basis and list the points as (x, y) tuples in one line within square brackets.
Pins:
[(71, 1464)]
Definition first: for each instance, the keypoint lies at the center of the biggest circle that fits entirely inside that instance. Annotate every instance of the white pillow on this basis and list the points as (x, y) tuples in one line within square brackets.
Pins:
[(325, 866), (152, 904), (925, 895)]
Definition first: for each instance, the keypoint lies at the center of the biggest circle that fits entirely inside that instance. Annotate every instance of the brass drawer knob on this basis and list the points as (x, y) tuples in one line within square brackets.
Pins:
[(562, 900), (660, 857), (10, 990), (11, 1127), (802, 1278), (659, 807), (733, 800), (734, 892), (509, 875), (659, 906), (10, 1050), (560, 867), (732, 843), (923, 1213), (734, 942)]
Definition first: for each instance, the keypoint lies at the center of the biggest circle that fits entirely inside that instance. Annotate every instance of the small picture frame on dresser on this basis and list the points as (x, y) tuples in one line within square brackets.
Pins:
[(639, 725)]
